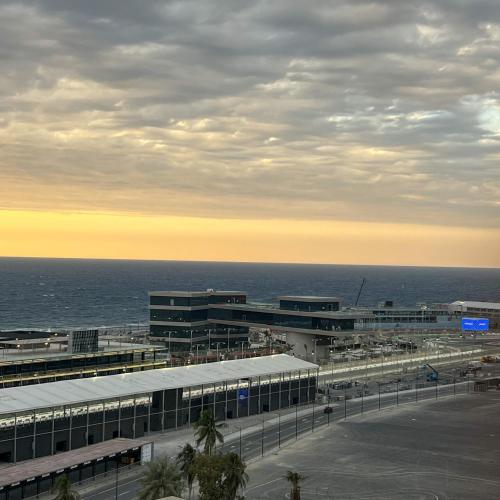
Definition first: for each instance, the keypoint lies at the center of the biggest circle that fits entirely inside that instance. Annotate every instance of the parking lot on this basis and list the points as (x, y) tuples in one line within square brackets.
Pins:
[(441, 449)]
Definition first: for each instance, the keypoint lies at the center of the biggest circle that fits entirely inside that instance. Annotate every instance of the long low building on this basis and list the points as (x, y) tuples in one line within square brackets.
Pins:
[(36, 421)]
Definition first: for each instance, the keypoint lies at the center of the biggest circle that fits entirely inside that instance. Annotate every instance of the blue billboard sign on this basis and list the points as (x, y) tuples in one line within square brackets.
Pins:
[(475, 324), (242, 395)]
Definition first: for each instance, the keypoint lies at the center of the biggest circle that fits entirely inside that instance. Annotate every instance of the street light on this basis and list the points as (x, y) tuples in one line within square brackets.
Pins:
[(242, 342), (217, 344)]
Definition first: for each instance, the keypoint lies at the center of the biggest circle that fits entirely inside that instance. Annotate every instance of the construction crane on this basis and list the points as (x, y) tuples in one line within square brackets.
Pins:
[(359, 293), (433, 375)]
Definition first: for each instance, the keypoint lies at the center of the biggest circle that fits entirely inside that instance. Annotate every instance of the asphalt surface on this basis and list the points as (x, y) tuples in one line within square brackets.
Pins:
[(444, 449), (271, 436)]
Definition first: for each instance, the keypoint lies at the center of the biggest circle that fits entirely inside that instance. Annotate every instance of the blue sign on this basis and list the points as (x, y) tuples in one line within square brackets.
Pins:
[(242, 394), (475, 324)]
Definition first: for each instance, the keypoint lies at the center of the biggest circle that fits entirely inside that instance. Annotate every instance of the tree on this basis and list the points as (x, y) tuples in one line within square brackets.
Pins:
[(235, 475), (219, 476), (63, 489), (185, 460), (294, 478), (162, 479), (209, 471), (206, 430)]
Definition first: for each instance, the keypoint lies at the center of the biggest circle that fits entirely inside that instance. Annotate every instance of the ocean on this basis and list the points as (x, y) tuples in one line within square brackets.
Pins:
[(72, 293)]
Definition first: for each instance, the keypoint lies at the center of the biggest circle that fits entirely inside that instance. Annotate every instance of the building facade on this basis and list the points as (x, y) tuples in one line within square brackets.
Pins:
[(184, 320)]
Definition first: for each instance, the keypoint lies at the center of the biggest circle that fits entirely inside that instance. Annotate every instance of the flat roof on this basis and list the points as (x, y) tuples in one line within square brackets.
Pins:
[(479, 305), (184, 293), (45, 465), (308, 298), (39, 340), (67, 392), (10, 356)]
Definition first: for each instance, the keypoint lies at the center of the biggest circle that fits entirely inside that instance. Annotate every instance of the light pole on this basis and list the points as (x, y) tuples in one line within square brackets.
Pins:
[(217, 349), (279, 429), (242, 342), (315, 342), (262, 440), (296, 421)]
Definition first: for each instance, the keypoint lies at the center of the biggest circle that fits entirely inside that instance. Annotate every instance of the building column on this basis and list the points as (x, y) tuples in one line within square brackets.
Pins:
[(119, 417), (88, 426), (150, 402), (163, 411), (52, 434), (225, 405), (176, 407), (238, 398), (215, 399), (15, 438), (308, 386), (103, 421), (135, 417), (299, 388), (70, 427), (260, 407), (279, 392), (270, 392), (34, 434)]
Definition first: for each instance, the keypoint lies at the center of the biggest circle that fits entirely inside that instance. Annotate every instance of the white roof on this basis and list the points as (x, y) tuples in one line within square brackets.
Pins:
[(66, 392), (479, 305)]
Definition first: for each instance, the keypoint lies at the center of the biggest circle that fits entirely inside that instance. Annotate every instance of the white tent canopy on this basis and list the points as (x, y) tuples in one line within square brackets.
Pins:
[(67, 392)]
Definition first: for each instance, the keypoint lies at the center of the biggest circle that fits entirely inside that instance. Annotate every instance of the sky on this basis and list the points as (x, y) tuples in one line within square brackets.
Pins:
[(346, 132)]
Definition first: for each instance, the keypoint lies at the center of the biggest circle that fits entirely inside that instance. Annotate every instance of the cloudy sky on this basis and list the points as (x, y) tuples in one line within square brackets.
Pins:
[(328, 131)]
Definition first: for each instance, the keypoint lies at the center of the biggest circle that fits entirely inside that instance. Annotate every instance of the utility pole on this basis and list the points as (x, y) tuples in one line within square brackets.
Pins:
[(262, 440), (279, 429), (345, 402), (296, 421)]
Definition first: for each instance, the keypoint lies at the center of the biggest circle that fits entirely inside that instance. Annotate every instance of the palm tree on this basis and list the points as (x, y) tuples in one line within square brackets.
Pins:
[(63, 488), (162, 479), (294, 478), (206, 430), (236, 477), (185, 460)]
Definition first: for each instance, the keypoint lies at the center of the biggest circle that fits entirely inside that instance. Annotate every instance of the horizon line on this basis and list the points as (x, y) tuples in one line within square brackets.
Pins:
[(243, 262)]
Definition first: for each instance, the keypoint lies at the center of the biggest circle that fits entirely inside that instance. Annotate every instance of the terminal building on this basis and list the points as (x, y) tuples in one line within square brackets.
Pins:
[(42, 420), (186, 319)]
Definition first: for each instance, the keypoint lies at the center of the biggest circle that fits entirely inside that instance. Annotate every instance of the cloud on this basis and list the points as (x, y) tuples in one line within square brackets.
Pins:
[(337, 110)]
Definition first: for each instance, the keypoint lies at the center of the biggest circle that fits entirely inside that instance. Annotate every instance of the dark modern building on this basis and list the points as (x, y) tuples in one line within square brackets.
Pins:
[(37, 421), (184, 320)]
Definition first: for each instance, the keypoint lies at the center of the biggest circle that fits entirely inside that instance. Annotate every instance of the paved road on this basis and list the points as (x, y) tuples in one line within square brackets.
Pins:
[(280, 430)]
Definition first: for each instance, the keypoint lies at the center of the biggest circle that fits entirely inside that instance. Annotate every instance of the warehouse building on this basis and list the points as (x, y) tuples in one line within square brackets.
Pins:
[(37, 421)]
